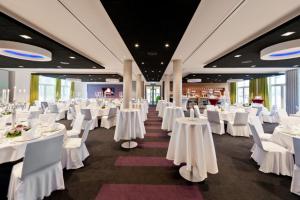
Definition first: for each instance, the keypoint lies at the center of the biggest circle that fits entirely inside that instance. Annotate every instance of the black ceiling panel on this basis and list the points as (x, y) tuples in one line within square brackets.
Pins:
[(84, 77), (151, 24), (10, 29), (222, 78), (250, 52)]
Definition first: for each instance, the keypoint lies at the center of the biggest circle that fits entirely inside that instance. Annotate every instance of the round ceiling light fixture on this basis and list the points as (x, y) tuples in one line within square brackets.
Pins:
[(282, 51), (24, 51)]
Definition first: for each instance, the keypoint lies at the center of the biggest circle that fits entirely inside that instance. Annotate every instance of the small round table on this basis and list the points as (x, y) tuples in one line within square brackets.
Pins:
[(129, 126), (192, 143), (170, 115)]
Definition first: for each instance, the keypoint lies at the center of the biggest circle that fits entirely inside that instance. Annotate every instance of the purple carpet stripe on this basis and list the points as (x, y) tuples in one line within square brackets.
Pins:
[(160, 145), (143, 161), (148, 192), (156, 135), (152, 127)]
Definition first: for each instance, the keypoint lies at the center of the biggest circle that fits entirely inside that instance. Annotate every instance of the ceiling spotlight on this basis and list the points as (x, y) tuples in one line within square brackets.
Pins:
[(247, 75), (238, 55), (136, 45), (72, 57), (25, 37), (214, 66), (90, 75), (246, 61), (21, 66), (288, 34), (161, 63), (143, 63), (64, 63), (152, 71), (219, 75), (194, 74), (94, 67), (167, 45), (253, 66), (59, 67)]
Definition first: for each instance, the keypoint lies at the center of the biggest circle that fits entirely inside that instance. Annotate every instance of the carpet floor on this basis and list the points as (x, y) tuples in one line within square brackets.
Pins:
[(108, 171)]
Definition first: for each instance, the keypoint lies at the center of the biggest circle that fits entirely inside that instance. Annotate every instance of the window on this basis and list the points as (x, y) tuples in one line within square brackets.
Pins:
[(277, 91), (65, 89), (46, 88), (243, 92)]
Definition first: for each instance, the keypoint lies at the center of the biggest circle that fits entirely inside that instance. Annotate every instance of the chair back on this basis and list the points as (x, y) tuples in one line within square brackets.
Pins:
[(87, 114), (197, 111), (86, 131), (256, 137), (78, 122), (53, 108), (240, 119), (34, 114), (44, 105), (210, 107), (296, 142), (259, 110), (42, 154), (256, 122), (253, 112), (282, 114), (213, 116), (112, 112), (48, 118)]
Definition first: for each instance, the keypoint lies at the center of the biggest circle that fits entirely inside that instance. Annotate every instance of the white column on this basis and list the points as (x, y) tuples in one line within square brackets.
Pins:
[(127, 83), (167, 87), (177, 82), (139, 86), (143, 89)]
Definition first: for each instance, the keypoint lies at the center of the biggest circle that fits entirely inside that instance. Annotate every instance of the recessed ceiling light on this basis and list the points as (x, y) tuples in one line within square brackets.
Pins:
[(136, 45), (152, 71), (253, 66), (161, 63), (238, 55), (288, 33), (90, 75), (194, 74), (167, 45), (25, 37), (219, 75), (65, 75), (58, 66), (64, 63), (159, 71), (145, 70), (247, 75), (94, 67), (72, 57), (246, 61), (91, 79), (21, 66), (143, 63), (214, 66)]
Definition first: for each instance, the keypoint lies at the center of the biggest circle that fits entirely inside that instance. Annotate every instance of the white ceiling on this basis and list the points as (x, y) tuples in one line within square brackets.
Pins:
[(220, 26), (84, 26)]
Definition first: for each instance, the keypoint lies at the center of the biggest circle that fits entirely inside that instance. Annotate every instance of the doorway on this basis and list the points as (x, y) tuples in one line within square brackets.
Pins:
[(152, 92)]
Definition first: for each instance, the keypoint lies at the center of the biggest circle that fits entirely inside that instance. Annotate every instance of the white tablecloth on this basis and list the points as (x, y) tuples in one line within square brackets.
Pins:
[(12, 149), (158, 105), (192, 143), (129, 125), (163, 107), (170, 115), (143, 109), (283, 137)]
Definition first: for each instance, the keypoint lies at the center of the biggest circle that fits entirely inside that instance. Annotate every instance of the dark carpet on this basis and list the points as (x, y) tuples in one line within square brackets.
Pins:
[(238, 177)]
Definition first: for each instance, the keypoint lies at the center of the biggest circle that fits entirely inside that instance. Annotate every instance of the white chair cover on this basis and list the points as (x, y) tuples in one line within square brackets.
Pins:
[(75, 151), (239, 127), (271, 117), (271, 157), (76, 129), (216, 125), (295, 186), (89, 117), (40, 173), (109, 120), (197, 111)]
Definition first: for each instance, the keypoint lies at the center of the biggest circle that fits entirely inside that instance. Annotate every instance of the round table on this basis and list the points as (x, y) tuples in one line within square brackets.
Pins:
[(284, 137), (12, 149), (163, 107), (129, 126), (192, 143), (170, 115), (158, 105)]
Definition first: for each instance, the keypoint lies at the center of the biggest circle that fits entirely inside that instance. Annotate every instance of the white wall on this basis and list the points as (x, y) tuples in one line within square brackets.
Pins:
[(20, 80)]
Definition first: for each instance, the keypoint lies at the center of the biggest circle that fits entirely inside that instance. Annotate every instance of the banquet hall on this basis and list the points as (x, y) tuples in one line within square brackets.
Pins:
[(150, 100)]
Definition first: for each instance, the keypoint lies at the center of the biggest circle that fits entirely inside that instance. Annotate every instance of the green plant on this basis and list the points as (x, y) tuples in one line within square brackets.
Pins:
[(157, 99)]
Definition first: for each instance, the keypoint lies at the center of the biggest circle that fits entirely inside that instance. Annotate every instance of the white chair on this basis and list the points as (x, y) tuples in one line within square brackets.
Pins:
[(295, 185), (109, 120), (259, 128), (88, 117), (47, 118), (271, 157), (270, 117), (282, 114), (53, 108), (76, 129), (184, 102), (40, 173), (75, 151), (34, 114), (217, 125), (252, 112), (197, 111), (44, 106), (239, 127)]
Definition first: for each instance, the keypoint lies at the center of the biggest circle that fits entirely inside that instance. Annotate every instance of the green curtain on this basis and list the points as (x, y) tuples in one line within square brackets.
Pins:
[(72, 90), (252, 89), (34, 88), (233, 93), (58, 89), (263, 90)]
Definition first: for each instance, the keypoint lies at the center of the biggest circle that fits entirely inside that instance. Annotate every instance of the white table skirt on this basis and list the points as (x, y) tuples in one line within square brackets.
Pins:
[(170, 115), (143, 109), (192, 143), (12, 150), (163, 107), (280, 136), (159, 103), (129, 125)]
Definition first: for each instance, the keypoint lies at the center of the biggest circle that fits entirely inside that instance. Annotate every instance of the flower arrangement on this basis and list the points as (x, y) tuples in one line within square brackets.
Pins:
[(6, 113), (17, 131)]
